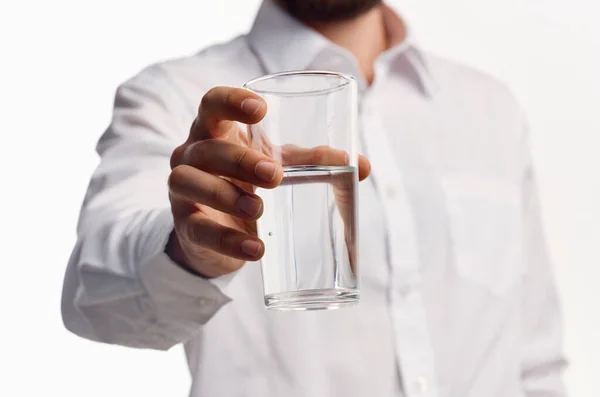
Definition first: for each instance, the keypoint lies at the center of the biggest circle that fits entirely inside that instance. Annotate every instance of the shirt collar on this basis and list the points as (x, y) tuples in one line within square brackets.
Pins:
[(283, 43)]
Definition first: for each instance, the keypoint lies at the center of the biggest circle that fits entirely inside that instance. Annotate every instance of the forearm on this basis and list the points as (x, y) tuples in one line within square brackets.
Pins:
[(122, 288)]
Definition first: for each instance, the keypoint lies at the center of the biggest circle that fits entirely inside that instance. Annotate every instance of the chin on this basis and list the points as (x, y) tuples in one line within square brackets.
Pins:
[(327, 10)]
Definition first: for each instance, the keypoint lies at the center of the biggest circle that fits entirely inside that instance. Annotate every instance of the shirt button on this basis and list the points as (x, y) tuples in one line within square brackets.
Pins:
[(421, 385)]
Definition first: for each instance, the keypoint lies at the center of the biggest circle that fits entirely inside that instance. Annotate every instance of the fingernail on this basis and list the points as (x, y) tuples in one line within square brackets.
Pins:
[(251, 247), (266, 170), (249, 205), (250, 106)]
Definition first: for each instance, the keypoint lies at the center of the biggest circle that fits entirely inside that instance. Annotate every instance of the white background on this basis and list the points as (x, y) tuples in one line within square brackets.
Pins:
[(61, 61)]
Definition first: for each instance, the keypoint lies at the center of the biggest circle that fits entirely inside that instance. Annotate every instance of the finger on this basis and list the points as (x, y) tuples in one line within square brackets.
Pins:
[(322, 155), (364, 167), (221, 107), (200, 230), (234, 161), (191, 184)]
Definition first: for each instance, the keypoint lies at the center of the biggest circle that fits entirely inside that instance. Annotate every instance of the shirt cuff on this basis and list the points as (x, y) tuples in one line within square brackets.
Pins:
[(222, 281), (164, 226), (164, 279), (182, 300)]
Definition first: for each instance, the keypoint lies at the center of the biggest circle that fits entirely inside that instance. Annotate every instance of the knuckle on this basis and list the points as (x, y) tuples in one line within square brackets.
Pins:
[(193, 232), (196, 153), (202, 106), (207, 98), (228, 99), (240, 158), (225, 240), (320, 154), (176, 176), (217, 191), (176, 156), (216, 96)]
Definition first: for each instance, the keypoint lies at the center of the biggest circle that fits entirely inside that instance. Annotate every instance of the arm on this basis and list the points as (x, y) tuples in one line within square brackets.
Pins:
[(195, 200), (120, 286), (543, 361)]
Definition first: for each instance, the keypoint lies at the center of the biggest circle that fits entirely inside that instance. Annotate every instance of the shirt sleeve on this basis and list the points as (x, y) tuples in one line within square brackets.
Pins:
[(120, 287), (543, 361)]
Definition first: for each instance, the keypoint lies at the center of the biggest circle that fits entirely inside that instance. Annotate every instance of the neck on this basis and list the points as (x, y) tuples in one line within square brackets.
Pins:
[(364, 37)]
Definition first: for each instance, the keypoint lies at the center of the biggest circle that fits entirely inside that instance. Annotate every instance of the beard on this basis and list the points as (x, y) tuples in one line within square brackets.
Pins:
[(327, 10)]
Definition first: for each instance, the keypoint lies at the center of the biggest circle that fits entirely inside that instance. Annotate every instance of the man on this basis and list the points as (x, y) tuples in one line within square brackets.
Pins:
[(457, 295)]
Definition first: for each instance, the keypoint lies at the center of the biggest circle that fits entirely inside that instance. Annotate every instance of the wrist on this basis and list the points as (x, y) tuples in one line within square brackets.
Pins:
[(174, 251)]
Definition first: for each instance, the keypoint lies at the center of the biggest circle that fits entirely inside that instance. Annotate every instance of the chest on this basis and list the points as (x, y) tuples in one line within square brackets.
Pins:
[(447, 178)]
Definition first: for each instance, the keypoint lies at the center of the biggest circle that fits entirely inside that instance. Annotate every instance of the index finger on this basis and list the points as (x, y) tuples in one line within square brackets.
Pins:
[(322, 155), (221, 107)]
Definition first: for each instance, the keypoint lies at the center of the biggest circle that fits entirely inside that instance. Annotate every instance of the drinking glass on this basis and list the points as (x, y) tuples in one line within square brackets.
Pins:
[(309, 223)]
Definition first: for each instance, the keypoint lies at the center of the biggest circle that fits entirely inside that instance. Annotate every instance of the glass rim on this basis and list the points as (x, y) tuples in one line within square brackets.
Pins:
[(346, 80)]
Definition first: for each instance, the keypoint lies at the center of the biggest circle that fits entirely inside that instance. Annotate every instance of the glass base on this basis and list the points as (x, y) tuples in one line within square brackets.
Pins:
[(312, 299)]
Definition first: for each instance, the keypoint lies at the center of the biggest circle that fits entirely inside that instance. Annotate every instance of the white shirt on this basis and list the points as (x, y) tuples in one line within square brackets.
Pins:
[(457, 294)]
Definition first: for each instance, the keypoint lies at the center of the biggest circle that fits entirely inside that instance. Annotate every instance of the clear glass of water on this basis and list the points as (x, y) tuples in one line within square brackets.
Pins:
[(309, 223)]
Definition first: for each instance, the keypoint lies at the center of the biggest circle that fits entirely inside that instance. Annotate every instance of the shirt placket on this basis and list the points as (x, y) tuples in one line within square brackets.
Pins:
[(414, 351)]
